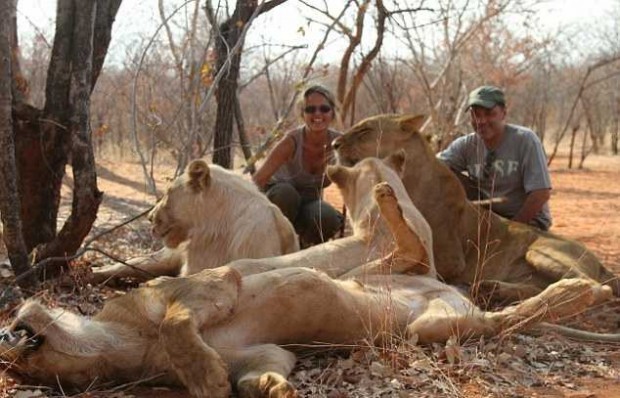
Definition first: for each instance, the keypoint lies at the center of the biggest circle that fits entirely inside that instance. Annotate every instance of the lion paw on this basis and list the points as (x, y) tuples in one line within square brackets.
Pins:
[(203, 375), (383, 191), (204, 381), (268, 385)]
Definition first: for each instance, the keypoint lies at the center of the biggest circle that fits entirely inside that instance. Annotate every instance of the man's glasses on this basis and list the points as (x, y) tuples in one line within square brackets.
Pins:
[(487, 170), (321, 108)]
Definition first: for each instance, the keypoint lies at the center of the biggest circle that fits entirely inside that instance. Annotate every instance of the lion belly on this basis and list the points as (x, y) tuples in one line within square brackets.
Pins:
[(421, 293), (298, 305)]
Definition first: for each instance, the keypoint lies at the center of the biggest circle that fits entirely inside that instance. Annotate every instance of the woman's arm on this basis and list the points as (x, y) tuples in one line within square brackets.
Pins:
[(280, 154)]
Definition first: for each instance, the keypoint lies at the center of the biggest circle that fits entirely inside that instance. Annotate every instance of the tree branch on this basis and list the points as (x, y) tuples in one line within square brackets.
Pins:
[(106, 13), (59, 70)]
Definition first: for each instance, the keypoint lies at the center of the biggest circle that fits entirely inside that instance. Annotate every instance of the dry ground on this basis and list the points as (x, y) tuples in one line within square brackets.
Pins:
[(585, 205)]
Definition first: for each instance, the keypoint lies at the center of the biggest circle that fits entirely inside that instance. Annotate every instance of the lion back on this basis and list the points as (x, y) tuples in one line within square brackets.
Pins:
[(256, 228)]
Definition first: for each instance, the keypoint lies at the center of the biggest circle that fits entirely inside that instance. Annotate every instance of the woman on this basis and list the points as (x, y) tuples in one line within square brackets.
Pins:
[(293, 175)]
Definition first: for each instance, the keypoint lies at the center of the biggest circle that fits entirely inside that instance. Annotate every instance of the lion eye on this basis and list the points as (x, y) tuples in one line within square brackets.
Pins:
[(362, 133)]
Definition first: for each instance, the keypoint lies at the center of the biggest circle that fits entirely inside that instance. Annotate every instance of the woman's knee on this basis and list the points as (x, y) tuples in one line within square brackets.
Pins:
[(286, 197), (319, 222)]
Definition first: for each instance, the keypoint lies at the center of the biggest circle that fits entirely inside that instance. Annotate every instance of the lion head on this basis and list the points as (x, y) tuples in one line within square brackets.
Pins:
[(173, 215), (192, 200), (356, 183), (367, 138), (126, 340), (42, 339)]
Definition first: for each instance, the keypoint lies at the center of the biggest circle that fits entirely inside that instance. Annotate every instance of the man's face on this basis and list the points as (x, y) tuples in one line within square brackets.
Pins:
[(488, 123)]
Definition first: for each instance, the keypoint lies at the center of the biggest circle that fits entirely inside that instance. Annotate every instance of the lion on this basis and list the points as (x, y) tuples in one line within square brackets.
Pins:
[(215, 330), (208, 217), (472, 245), (369, 248)]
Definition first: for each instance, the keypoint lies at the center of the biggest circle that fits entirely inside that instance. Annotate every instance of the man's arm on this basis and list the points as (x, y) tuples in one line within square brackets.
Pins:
[(533, 205), (454, 156)]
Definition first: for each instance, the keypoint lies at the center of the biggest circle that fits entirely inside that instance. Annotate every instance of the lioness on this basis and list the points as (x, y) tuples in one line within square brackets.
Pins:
[(372, 237), (203, 330), (208, 217), (471, 245)]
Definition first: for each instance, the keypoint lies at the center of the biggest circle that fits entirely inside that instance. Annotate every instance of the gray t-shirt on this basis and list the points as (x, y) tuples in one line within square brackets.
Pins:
[(515, 168)]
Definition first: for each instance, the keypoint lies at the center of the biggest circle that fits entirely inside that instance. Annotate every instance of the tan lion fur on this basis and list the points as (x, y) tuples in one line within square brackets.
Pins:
[(203, 330), (372, 240), (471, 245), (208, 217)]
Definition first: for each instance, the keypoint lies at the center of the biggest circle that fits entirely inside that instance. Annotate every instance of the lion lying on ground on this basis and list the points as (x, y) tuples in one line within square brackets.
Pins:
[(208, 217), (214, 328), (471, 245), (372, 237)]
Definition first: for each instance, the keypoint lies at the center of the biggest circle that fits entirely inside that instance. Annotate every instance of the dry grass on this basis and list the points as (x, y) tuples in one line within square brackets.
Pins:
[(585, 206)]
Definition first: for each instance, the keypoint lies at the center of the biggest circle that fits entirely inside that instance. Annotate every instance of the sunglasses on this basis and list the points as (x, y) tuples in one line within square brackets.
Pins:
[(487, 170), (321, 108)]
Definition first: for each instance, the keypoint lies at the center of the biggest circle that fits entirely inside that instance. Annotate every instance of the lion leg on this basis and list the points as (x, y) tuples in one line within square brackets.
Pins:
[(410, 254), (566, 297), (198, 366), (557, 259), (164, 262), (381, 266), (504, 292), (450, 314), (261, 371)]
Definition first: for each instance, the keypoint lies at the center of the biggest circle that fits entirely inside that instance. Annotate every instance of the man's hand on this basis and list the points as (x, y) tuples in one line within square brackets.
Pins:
[(533, 205)]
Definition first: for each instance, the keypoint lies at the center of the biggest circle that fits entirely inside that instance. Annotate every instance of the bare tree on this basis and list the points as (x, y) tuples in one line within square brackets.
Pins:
[(58, 135), (384, 84), (228, 47), (584, 84), (460, 45), (351, 74), (10, 208)]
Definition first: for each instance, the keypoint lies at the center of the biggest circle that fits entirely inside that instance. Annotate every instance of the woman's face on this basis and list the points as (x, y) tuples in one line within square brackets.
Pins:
[(318, 113)]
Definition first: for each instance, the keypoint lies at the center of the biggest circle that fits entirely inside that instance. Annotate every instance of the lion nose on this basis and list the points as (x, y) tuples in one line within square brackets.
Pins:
[(336, 143), (7, 336)]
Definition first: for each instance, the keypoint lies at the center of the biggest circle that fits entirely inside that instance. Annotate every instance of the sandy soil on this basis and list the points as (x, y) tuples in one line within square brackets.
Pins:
[(586, 205)]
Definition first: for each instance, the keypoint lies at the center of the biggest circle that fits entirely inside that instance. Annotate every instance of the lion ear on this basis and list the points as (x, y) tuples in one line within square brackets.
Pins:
[(199, 175), (397, 161), (337, 174), (412, 123)]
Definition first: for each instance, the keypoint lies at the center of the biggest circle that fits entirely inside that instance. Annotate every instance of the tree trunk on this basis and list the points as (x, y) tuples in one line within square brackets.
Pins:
[(584, 150), (572, 145), (230, 36), (86, 196), (225, 95), (243, 138), (9, 199), (615, 129), (47, 140)]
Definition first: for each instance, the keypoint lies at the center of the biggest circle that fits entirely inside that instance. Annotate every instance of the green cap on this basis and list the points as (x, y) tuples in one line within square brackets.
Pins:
[(486, 97)]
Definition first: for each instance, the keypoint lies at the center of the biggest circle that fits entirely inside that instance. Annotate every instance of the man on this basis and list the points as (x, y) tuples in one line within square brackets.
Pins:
[(502, 161)]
